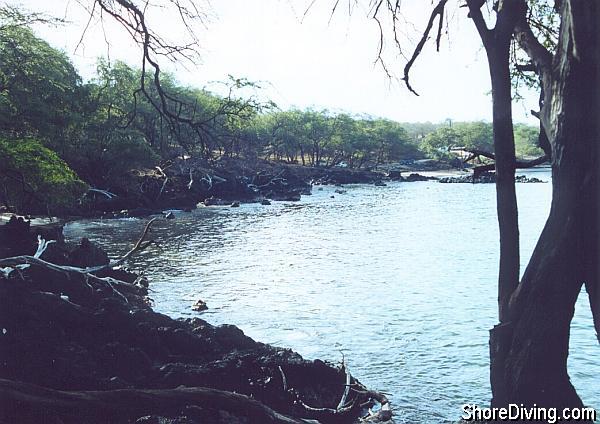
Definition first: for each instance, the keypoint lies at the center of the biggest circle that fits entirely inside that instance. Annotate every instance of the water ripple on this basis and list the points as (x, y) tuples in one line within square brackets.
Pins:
[(399, 278)]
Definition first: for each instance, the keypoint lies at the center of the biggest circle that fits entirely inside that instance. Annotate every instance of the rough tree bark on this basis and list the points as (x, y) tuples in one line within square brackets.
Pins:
[(529, 347), (496, 42), (566, 255)]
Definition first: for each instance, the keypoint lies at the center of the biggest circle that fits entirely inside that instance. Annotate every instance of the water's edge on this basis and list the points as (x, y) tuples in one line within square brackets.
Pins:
[(398, 279)]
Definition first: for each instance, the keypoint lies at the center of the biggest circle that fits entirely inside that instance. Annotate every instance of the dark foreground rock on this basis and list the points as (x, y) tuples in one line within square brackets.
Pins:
[(81, 348)]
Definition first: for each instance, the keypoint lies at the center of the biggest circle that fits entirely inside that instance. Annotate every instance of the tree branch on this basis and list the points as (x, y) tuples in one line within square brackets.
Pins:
[(542, 59), (475, 14), (437, 11), (526, 67), (492, 156), (539, 55)]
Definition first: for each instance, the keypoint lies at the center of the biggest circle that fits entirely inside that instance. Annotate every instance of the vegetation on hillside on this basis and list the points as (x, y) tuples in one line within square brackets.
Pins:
[(104, 128)]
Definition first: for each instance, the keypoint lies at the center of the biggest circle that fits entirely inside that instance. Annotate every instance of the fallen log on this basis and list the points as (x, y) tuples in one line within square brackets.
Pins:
[(519, 164), (28, 403)]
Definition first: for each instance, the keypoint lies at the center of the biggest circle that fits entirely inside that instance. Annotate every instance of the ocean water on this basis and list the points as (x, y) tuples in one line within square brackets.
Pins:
[(399, 280)]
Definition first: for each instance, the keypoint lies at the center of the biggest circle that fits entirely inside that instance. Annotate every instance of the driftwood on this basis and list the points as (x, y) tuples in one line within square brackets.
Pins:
[(23, 402), (18, 263), (385, 411), (345, 410), (189, 186), (342, 403), (161, 172), (106, 193), (519, 164)]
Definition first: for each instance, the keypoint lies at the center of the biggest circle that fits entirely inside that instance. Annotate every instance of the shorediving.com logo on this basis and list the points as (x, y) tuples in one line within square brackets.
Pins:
[(472, 412)]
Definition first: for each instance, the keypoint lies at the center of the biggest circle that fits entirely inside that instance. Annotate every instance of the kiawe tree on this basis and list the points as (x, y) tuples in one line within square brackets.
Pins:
[(533, 339), (529, 347), (33, 76)]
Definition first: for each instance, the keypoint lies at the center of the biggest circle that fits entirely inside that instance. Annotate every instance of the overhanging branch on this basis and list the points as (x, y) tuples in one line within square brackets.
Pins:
[(437, 11)]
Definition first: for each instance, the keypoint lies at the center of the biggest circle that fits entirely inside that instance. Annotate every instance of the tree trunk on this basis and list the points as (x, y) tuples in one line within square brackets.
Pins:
[(566, 255), (506, 198), (506, 201)]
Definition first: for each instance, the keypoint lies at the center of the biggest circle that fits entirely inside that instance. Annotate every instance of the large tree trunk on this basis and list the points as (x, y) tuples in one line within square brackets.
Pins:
[(535, 358)]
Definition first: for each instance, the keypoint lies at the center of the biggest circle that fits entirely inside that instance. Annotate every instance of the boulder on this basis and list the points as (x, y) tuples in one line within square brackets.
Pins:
[(395, 175), (199, 306), (140, 212), (215, 201), (88, 254), (417, 177)]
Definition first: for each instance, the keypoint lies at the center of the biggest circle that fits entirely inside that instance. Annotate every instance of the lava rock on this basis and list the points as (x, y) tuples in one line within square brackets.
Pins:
[(88, 254), (199, 306)]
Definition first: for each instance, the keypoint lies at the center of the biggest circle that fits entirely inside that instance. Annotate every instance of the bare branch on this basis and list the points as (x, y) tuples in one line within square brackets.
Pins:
[(308, 9), (333, 9), (539, 55), (526, 67), (439, 33), (437, 11), (519, 164), (139, 245)]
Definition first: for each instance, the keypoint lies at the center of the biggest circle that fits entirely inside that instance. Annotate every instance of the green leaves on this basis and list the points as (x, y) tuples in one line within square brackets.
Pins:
[(526, 141), (320, 138), (437, 144), (35, 179), (477, 136), (38, 85)]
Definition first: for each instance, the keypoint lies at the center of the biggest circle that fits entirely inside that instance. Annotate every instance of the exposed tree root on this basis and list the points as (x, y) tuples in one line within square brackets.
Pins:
[(24, 402)]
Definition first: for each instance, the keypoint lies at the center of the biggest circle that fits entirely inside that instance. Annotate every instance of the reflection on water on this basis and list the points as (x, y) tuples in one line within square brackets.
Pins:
[(400, 279)]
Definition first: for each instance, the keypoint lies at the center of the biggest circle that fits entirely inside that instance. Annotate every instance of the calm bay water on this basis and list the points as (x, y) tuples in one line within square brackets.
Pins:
[(400, 279)]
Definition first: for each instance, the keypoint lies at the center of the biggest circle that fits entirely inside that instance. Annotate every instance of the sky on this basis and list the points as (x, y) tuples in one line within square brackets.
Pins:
[(316, 60)]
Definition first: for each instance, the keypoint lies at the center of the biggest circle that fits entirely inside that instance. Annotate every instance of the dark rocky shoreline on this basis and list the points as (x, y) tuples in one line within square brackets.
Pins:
[(187, 184), (486, 178), (87, 348), (184, 184)]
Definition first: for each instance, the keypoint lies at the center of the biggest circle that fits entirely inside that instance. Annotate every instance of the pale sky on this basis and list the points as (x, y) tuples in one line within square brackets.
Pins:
[(310, 61)]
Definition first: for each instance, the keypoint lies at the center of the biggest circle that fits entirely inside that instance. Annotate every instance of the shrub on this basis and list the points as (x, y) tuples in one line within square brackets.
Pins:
[(34, 179)]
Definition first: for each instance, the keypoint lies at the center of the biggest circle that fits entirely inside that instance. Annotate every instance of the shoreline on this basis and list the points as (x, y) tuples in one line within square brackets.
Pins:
[(73, 335), (264, 182)]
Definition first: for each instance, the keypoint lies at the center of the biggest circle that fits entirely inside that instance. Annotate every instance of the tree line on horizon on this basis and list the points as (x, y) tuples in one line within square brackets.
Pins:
[(59, 133)]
